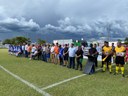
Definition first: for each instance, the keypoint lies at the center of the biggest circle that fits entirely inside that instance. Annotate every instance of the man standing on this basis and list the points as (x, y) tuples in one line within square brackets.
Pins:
[(48, 53), (120, 54), (72, 52), (79, 58), (107, 52), (65, 55), (56, 51), (61, 55), (95, 55), (44, 53), (23, 48), (52, 53), (26, 52)]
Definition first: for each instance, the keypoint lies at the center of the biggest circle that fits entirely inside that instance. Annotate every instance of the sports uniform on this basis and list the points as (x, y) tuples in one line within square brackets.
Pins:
[(120, 60), (107, 50)]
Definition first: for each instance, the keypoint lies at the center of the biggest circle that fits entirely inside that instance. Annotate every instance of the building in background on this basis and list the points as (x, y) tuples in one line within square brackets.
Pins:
[(63, 42)]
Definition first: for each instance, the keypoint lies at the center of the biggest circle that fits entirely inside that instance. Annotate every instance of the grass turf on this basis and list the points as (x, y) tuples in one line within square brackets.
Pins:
[(42, 74), (9, 86)]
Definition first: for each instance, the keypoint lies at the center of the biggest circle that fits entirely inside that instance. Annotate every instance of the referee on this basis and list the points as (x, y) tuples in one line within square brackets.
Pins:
[(120, 57)]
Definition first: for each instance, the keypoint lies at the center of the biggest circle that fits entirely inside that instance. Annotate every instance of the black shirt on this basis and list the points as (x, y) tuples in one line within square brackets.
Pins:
[(92, 51), (79, 52), (66, 50)]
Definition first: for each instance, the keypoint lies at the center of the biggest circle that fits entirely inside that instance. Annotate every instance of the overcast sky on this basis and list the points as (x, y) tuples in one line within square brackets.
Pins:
[(66, 16)]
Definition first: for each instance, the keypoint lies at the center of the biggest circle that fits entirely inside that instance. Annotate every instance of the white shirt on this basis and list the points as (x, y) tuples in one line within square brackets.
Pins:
[(52, 49), (23, 47), (35, 52), (44, 49), (98, 48), (26, 47), (33, 49), (72, 51)]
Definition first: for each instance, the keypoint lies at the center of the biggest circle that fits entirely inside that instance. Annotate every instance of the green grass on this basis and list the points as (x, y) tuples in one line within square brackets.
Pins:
[(9, 86), (42, 74)]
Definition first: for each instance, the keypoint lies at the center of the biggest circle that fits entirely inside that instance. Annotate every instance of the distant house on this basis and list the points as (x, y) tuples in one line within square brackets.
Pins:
[(1, 44), (70, 41), (64, 41)]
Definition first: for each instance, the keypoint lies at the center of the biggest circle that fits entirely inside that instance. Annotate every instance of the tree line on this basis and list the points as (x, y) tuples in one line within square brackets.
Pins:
[(21, 40)]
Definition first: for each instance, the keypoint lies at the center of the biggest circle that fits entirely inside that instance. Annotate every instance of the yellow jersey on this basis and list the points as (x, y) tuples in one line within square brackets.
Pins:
[(120, 51), (107, 50)]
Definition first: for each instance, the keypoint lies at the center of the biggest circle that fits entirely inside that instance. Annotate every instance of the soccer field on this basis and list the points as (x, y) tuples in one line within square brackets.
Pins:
[(24, 77)]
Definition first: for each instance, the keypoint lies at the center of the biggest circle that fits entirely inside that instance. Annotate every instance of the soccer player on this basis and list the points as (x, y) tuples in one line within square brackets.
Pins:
[(107, 52), (120, 58)]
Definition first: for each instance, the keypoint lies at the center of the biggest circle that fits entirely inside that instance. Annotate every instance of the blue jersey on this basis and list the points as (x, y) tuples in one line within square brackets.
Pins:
[(61, 51)]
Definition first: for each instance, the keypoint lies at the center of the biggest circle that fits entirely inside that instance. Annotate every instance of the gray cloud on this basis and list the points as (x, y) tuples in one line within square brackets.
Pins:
[(50, 11), (13, 24), (96, 28), (65, 17)]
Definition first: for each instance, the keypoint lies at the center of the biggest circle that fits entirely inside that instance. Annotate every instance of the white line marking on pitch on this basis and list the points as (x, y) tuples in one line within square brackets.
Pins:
[(67, 80), (26, 82)]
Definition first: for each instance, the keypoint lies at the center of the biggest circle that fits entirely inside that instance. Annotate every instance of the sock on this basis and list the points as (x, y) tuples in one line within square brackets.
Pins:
[(122, 70), (110, 68), (117, 69), (104, 67)]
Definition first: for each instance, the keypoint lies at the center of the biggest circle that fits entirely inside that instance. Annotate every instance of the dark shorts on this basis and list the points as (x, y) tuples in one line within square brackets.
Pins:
[(108, 59), (66, 58), (119, 60), (29, 53)]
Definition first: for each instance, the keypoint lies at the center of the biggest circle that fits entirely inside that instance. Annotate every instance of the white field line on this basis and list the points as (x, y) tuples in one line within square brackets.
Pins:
[(67, 80), (26, 82)]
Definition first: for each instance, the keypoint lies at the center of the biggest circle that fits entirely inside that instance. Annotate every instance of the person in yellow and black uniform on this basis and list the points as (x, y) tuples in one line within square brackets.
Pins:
[(120, 58), (106, 57)]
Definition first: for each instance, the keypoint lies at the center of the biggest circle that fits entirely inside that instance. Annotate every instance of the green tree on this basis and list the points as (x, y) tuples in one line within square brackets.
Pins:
[(40, 41), (7, 41), (126, 40), (119, 40), (20, 40), (16, 40)]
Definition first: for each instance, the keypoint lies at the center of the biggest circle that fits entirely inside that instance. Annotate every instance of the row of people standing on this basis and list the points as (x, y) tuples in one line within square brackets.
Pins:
[(67, 56), (64, 55)]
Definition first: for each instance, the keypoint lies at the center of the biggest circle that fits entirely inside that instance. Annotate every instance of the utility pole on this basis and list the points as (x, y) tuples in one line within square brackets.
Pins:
[(108, 31)]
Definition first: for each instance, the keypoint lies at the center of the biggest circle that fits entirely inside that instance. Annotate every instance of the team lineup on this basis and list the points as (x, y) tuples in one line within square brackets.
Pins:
[(71, 56)]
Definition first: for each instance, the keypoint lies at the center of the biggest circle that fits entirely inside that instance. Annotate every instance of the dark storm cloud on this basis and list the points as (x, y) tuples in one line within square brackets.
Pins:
[(16, 25), (94, 29), (65, 17)]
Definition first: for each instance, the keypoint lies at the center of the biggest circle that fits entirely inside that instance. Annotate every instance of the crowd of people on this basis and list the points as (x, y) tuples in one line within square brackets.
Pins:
[(72, 56), (64, 55)]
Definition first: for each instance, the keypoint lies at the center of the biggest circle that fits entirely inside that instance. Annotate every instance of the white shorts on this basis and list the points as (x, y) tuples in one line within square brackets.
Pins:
[(57, 56)]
